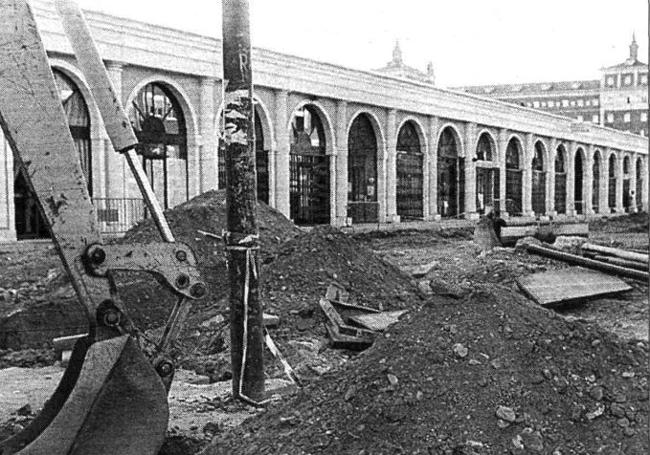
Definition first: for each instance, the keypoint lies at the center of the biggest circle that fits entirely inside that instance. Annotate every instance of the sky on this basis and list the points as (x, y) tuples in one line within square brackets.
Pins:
[(470, 42)]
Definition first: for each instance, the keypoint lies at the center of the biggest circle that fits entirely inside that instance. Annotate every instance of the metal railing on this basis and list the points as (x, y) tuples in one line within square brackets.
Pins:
[(118, 215)]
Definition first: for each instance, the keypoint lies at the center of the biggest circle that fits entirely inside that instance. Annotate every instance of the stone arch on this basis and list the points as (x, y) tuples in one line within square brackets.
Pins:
[(628, 190), (597, 175), (451, 172), (311, 147), (411, 149), (168, 140), (560, 170), (539, 163), (579, 180), (365, 143), (487, 172), (612, 177), (514, 156)]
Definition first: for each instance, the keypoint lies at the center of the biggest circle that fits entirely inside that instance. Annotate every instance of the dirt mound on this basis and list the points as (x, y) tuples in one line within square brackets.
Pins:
[(149, 303), (491, 375)]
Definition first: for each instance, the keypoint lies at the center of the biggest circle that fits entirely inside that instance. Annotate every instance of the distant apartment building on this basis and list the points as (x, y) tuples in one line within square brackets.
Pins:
[(619, 99)]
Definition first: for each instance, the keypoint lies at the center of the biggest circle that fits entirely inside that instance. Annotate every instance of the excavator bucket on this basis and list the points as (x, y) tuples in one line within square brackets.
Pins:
[(118, 404), (110, 400)]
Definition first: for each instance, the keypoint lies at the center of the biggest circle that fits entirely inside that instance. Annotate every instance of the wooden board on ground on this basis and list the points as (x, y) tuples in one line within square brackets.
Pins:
[(339, 340), (569, 285), (336, 320), (377, 322), (510, 234)]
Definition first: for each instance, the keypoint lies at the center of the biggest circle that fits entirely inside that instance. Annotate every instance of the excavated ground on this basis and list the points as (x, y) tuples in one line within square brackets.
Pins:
[(434, 383)]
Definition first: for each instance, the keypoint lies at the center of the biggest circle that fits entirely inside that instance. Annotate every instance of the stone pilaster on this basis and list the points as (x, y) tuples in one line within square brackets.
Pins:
[(434, 125), (208, 159), (570, 180), (604, 184), (619, 182), (382, 175), (633, 206), (587, 182), (502, 145), (282, 153), (341, 177), (470, 171), (528, 175), (391, 167), (549, 160), (116, 172), (7, 208), (644, 185)]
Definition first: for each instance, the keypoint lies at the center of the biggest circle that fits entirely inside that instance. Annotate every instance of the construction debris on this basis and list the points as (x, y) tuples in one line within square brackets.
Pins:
[(616, 252), (569, 285), (378, 322), (546, 232)]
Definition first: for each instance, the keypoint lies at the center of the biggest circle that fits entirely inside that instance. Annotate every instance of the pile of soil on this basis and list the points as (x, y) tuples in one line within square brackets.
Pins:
[(491, 374), (148, 302)]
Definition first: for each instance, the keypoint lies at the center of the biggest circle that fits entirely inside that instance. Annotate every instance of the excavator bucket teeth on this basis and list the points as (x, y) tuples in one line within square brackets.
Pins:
[(118, 404)]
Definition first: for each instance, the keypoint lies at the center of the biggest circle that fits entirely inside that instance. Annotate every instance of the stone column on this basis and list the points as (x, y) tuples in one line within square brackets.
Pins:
[(587, 182), (116, 172), (282, 153), (550, 177), (470, 171), (644, 183), (502, 145), (341, 177), (570, 180), (604, 184), (208, 159), (619, 182), (391, 167), (434, 125), (527, 176), (633, 206)]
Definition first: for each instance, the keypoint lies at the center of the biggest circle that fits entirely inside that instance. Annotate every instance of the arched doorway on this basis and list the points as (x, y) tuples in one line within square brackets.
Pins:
[(560, 180), (639, 185), (595, 198), (362, 171), (627, 187), (410, 160), (451, 176), (29, 223), (487, 175), (261, 162), (309, 179), (159, 124), (611, 200), (539, 180), (578, 181), (514, 178)]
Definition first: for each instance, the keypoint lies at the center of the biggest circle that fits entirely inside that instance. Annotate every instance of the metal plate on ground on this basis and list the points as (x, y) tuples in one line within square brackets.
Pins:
[(570, 285), (377, 322)]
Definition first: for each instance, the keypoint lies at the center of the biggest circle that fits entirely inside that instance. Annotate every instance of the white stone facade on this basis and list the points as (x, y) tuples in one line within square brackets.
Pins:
[(189, 67)]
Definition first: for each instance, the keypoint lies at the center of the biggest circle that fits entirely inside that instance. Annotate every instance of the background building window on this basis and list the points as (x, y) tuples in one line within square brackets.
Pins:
[(594, 102), (594, 118), (580, 118), (610, 118), (626, 117), (581, 102), (543, 104), (627, 80), (535, 103), (643, 79), (565, 103), (644, 116), (551, 104), (610, 81)]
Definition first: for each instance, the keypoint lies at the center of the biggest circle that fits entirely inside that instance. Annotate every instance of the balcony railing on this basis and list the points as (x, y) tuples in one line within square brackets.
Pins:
[(118, 215)]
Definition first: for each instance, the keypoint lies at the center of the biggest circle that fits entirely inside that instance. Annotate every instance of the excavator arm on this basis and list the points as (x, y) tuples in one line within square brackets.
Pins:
[(113, 396)]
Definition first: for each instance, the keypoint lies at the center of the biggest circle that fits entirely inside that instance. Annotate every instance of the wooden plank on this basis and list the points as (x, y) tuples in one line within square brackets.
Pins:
[(336, 320), (617, 252), (378, 322), (569, 285), (341, 341)]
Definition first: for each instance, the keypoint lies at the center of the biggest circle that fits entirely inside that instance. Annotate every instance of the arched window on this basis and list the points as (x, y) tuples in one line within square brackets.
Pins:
[(611, 200), (487, 176), (595, 191), (560, 180), (514, 178), (362, 171), (451, 188), (159, 125), (309, 169), (539, 180), (409, 173), (484, 148), (76, 111)]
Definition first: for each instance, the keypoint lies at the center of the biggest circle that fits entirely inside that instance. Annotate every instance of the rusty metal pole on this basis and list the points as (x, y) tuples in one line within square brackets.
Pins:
[(242, 243)]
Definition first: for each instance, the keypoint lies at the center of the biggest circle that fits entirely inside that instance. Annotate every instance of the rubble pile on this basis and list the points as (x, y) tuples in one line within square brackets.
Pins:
[(490, 374)]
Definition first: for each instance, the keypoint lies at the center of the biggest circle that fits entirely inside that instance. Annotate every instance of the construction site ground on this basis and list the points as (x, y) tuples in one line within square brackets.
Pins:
[(475, 367)]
